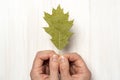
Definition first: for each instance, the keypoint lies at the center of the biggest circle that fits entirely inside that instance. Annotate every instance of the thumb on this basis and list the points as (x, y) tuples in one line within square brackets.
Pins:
[(64, 68), (54, 67)]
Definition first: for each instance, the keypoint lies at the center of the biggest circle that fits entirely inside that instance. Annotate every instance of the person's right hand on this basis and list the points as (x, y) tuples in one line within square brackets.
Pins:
[(45, 66), (72, 67)]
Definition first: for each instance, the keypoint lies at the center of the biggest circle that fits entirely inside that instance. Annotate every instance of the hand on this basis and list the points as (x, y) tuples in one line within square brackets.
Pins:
[(72, 67), (45, 66)]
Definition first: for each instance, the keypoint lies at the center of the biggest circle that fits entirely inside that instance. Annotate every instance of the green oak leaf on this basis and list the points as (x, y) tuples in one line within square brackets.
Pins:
[(59, 27)]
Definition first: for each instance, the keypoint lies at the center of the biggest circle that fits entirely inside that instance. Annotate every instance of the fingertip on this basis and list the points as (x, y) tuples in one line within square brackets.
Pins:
[(54, 67), (54, 58), (54, 62), (52, 52), (64, 67), (64, 64), (62, 59)]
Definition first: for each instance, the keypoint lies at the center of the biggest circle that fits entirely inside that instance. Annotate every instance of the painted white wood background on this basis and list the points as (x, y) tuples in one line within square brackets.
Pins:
[(96, 35)]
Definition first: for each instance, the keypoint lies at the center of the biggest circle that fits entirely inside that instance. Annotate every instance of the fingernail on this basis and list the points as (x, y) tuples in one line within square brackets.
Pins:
[(62, 58), (54, 58)]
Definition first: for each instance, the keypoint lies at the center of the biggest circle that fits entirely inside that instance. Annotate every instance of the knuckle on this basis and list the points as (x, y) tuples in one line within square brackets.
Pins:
[(45, 52), (76, 54), (38, 53)]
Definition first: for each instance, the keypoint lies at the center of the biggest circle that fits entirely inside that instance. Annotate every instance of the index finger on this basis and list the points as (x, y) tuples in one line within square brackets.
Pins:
[(41, 57), (75, 58)]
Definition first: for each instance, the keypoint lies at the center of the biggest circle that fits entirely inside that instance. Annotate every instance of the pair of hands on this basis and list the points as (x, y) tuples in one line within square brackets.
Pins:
[(50, 66)]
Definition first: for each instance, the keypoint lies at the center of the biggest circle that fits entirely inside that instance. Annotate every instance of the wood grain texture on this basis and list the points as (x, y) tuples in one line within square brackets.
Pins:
[(96, 35)]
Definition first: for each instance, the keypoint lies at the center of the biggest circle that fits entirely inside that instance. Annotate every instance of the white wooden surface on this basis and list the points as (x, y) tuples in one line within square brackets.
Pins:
[(96, 35)]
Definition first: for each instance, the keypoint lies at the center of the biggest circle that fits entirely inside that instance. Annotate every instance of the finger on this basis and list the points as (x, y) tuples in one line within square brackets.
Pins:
[(64, 68), (40, 58), (78, 62), (75, 58), (53, 67)]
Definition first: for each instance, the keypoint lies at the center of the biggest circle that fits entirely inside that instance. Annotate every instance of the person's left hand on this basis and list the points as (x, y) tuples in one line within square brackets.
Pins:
[(73, 67), (45, 66)]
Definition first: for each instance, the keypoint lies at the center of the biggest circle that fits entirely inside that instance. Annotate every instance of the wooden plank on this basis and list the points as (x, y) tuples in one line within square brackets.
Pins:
[(105, 39)]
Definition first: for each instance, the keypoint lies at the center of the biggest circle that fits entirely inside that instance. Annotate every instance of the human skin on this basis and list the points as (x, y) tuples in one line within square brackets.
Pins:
[(48, 65), (74, 68)]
